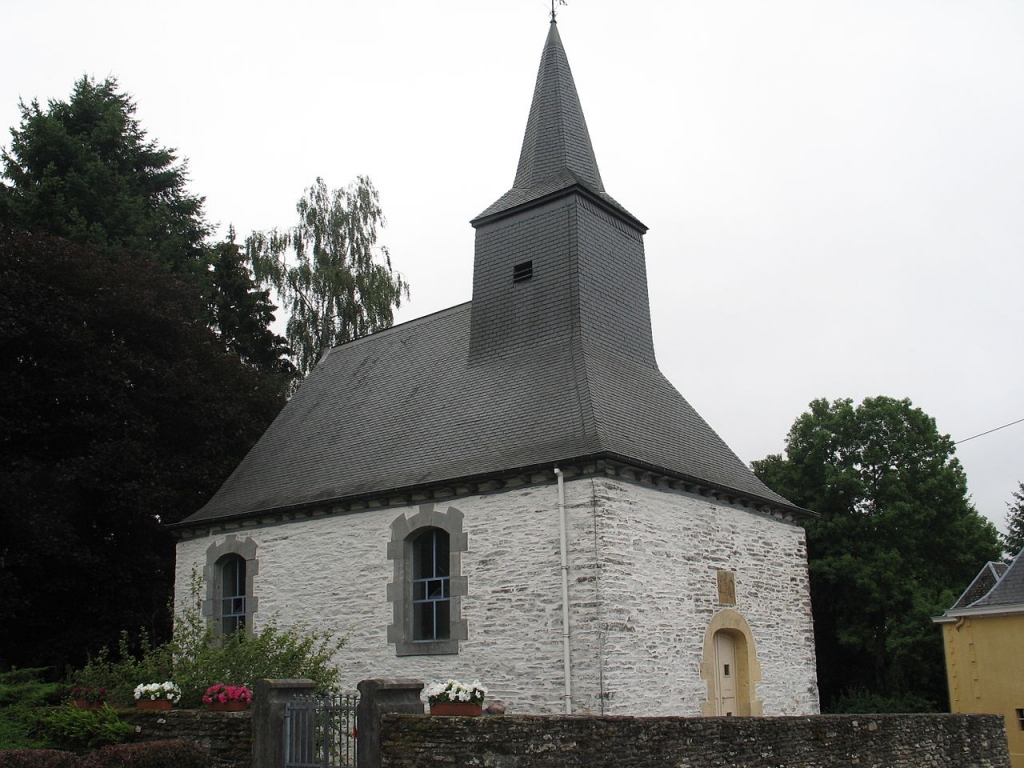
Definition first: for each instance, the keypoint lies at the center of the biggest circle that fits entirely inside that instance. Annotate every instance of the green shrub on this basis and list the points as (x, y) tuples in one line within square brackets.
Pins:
[(22, 693), (149, 754), (241, 659), (197, 658), (73, 728), (133, 663), (38, 758)]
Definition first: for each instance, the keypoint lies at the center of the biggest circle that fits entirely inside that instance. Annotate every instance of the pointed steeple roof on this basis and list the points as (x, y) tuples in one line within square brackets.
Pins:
[(557, 153), (556, 137)]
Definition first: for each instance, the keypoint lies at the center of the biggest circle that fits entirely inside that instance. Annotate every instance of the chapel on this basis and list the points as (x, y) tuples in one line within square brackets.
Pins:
[(510, 490)]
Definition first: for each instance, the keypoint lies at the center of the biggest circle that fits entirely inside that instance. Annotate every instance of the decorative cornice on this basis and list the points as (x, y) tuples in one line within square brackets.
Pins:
[(605, 465)]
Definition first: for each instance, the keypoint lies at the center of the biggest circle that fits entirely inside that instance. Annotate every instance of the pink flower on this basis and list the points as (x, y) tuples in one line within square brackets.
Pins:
[(225, 693)]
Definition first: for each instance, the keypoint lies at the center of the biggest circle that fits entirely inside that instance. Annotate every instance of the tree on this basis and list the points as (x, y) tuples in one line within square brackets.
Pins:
[(1013, 539), (84, 170), (118, 412), (243, 314), (896, 542), (325, 269)]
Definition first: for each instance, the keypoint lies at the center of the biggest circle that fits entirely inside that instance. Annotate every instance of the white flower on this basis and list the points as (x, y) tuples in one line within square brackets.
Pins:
[(453, 690), (154, 691)]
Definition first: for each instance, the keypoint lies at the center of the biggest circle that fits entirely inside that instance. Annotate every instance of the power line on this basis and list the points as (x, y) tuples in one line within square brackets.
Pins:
[(989, 432)]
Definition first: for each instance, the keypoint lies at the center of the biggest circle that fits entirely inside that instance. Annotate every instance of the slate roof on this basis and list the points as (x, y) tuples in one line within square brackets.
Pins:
[(996, 588), (1009, 590), (982, 584), (550, 372), (403, 408)]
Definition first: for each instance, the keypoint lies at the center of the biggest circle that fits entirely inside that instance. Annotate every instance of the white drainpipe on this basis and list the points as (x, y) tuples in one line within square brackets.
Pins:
[(566, 665)]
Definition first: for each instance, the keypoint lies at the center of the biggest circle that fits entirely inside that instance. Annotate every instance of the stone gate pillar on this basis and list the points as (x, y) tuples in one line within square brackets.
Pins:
[(269, 700), (377, 697)]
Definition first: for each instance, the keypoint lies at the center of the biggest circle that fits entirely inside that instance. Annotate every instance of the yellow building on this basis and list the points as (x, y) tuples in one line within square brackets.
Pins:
[(983, 636)]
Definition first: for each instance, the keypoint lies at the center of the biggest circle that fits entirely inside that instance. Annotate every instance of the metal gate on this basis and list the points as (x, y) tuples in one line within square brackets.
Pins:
[(320, 732)]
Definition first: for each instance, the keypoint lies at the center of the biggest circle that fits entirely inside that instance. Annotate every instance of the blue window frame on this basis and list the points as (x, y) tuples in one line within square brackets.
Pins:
[(232, 580), (431, 586)]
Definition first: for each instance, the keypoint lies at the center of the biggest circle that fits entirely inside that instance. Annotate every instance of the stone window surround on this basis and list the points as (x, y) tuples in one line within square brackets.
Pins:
[(403, 530), (246, 549)]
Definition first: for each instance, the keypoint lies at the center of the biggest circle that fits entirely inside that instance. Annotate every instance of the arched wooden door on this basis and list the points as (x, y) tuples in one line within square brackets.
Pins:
[(730, 667), (726, 672)]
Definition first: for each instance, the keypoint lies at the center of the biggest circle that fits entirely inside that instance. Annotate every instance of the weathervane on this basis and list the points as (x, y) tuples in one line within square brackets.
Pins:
[(553, 3)]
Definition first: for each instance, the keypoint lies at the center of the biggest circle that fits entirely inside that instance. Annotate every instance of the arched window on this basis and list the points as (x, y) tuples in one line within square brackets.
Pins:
[(428, 587), (431, 586), (232, 602)]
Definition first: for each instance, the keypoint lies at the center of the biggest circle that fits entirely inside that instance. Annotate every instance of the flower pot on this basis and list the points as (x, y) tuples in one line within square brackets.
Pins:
[(460, 708), (159, 704), (227, 706), (83, 704)]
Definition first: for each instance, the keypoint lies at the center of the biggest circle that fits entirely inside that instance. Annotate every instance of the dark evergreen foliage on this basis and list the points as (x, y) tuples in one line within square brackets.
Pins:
[(1013, 539), (118, 412), (84, 170), (243, 314), (23, 695), (896, 543)]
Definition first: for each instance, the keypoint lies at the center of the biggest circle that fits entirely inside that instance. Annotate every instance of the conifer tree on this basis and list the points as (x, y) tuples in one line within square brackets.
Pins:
[(118, 414), (84, 170), (1013, 539), (242, 314)]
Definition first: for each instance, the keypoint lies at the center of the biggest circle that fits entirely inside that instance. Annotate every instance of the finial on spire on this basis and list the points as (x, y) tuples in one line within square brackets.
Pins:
[(553, 13)]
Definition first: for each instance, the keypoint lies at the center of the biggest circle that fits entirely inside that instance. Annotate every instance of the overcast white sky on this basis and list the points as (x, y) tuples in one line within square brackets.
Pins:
[(834, 189)]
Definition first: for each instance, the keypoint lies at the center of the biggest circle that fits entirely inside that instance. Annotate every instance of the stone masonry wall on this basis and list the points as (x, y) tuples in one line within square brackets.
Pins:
[(839, 741), (660, 555), (228, 735), (643, 570)]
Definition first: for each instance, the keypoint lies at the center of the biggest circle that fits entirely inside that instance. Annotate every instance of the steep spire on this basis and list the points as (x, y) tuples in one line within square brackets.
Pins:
[(557, 153), (556, 137)]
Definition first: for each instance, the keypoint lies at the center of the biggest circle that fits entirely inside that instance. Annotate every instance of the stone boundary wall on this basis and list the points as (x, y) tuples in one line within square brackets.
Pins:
[(824, 741), (228, 735)]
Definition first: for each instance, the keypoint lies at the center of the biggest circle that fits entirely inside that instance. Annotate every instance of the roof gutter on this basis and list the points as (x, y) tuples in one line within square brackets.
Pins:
[(1008, 609)]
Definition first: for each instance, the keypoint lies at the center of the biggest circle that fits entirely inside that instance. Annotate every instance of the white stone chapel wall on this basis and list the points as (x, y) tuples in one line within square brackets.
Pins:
[(660, 552), (332, 571), (642, 591)]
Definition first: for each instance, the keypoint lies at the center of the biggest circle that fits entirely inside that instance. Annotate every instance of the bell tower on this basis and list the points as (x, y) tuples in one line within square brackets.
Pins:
[(557, 259)]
